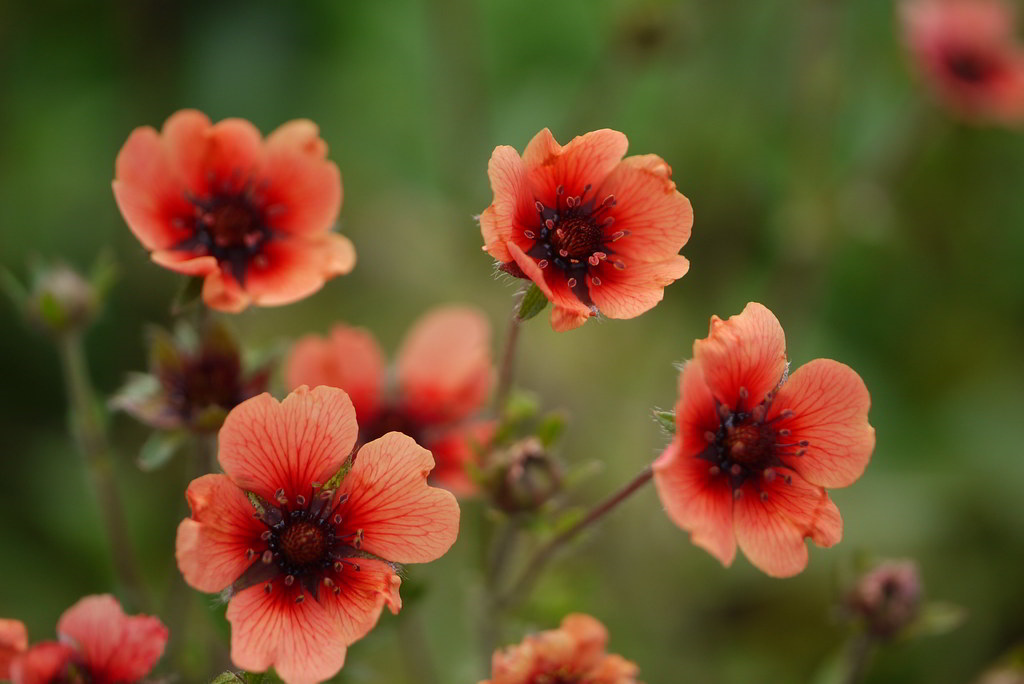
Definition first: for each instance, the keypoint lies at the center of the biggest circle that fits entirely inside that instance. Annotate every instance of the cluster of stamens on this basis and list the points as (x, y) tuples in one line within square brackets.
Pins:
[(573, 237), (230, 224), (748, 448), (303, 544)]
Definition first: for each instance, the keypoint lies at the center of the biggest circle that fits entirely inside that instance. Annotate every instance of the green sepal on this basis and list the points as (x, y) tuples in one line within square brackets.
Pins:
[(533, 302)]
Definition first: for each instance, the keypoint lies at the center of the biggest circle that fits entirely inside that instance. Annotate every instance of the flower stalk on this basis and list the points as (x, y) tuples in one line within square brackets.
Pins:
[(90, 435)]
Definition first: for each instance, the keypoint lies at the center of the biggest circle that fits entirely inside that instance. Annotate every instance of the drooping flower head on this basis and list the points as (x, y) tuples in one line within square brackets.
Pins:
[(968, 53), (194, 380), (443, 377), (98, 644), (754, 449), (572, 654), (309, 560), (250, 216), (595, 232)]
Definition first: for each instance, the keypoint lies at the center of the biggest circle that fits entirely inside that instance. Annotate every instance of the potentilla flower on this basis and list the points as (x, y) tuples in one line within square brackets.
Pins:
[(98, 644), (308, 560), (250, 216), (443, 377), (595, 232), (194, 379), (967, 51), (755, 450), (572, 654)]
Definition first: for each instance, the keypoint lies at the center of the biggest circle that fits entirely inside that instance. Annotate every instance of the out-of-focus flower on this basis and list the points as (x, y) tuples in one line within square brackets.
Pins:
[(192, 383), (754, 451), (575, 652), (887, 598), (444, 376), (595, 232), (967, 52), (98, 644), (57, 299), (308, 555), (250, 216)]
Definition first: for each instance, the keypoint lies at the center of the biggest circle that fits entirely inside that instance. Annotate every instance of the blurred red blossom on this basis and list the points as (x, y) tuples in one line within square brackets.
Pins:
[(755, 447), (595, 232), (250, 216), (309, 560), (575, 652), (444, 376), (969, 55), (97, 644)]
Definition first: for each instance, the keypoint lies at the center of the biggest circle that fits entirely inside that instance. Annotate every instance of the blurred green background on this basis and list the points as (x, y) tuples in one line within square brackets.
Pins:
[(826, 185)]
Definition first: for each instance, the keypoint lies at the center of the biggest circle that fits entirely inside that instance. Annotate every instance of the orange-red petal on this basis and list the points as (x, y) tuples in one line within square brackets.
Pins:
[(211, 546), (13, 640), (222, 292), (444, 365), (42, 663), (290, 269), (569, 312), (362, 596), (266, 446), (636, 289), (302, 182), (455, 450), (185, 262), (696, 501), (656, 215), (348, 359), (830, 406), (586, 160), (771, 524), (403, 519), (744, 354), (503, 221), (303, 641), (114, 647)]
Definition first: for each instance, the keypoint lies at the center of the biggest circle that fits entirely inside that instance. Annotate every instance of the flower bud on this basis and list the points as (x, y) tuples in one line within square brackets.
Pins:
[(887, 598), (524, 476)]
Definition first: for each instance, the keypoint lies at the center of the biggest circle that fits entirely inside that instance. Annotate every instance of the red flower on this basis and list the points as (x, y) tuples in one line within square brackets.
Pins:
[(250, 216), (967, 51), (98, 644), (753, 451), (310, 568), (597, 233), (444, 376), (572, 653)]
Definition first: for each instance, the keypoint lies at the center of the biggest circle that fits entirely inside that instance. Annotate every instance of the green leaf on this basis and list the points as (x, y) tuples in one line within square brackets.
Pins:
[(551, 427), (533, 302), (229, 678), (935, 618), (158, 449), (666, 420), (187, 296)]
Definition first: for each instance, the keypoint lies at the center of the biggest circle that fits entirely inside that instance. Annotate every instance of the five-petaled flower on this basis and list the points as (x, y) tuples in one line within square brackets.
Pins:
[(309, 560), (98, 644), (967, 51), (595, 232), (754, 451), (443, 376), (574, 653), (250, 216)]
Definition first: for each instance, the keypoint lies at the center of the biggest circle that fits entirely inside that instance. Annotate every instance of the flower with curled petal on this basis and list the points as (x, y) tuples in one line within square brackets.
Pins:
[(755, 447), (596, 233), (252, 217)]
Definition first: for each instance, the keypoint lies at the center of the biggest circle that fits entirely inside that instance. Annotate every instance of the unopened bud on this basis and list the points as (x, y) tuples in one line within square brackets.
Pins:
[(887, 598), (524, 476)]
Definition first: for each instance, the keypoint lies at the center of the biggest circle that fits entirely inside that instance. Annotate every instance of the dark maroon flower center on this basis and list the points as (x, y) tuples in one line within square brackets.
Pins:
[(573, 238), (391, 418), (971, 67), (231, 224), (306, 542), (205, 380), (746, 447)]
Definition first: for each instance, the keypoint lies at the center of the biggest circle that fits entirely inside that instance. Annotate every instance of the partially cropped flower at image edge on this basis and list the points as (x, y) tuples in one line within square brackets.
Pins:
[(596, 232), (251, 216), (309, 561), (756, 446), (97, 643)]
